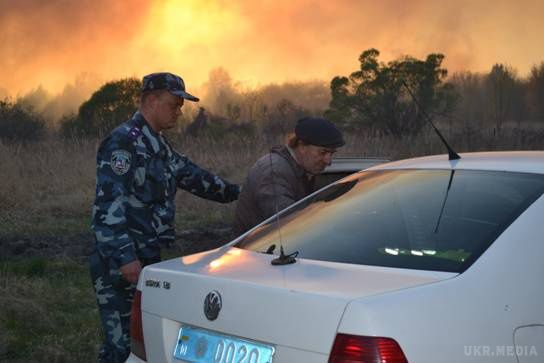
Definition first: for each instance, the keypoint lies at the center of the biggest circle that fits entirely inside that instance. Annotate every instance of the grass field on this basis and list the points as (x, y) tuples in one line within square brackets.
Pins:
[(47, 308), (48, 313)]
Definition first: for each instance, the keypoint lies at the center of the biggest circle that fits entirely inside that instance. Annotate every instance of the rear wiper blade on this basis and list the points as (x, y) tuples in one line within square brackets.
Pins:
[(284, 259)]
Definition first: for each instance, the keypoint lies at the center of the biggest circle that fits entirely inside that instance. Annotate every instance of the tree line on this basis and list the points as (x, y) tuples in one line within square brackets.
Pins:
[(392, 98)]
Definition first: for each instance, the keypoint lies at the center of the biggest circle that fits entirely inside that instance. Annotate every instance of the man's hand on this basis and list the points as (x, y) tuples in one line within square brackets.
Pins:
[(131, 271)]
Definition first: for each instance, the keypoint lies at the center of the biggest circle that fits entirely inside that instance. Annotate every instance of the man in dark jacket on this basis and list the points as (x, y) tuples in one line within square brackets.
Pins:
[(287, 173)]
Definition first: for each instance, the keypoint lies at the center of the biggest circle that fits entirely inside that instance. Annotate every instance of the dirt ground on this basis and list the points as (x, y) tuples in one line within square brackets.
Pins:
[(187, 241)]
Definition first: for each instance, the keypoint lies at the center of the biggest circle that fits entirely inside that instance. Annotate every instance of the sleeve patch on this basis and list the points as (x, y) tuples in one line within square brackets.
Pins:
[(120, 161)]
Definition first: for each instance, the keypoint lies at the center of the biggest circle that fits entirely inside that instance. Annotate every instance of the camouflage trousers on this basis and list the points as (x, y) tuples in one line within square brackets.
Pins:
[(114, 296)]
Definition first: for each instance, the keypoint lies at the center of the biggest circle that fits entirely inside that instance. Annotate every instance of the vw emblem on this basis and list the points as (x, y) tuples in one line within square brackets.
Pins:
[(212, 305)]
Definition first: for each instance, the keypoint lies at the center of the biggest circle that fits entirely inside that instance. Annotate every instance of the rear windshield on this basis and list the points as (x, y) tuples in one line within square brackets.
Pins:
[(440, 220)]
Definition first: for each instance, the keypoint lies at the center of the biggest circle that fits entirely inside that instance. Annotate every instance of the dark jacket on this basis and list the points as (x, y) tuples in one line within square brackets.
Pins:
[(273, 183)]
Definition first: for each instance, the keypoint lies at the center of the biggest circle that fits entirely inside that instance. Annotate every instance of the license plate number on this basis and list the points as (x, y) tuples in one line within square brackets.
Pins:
[(197, 345)]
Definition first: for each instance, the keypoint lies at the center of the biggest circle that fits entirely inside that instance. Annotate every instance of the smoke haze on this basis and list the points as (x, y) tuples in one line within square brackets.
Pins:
[(56, 44)]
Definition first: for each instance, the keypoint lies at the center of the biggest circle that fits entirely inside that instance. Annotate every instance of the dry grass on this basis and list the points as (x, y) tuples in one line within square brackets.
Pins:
[(48, 188)]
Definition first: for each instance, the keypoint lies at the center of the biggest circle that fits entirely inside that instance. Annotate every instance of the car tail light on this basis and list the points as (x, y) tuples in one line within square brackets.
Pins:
[(359, 349), (137, 345)]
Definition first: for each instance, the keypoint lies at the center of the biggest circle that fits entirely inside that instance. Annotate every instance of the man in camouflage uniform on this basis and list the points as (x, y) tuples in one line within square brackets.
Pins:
[(138, 173)]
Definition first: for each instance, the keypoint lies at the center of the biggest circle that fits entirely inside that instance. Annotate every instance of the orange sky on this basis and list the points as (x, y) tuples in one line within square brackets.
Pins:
[(53, 43)]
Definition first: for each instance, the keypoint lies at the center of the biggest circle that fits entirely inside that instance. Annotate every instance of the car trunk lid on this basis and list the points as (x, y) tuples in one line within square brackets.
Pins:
[(267, 303)]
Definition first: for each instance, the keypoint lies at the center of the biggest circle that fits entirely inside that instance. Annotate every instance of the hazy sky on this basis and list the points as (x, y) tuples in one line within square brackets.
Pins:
[(54, 42)]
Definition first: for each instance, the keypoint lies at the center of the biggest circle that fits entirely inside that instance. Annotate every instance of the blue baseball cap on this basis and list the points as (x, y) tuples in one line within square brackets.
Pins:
[(167, 81)]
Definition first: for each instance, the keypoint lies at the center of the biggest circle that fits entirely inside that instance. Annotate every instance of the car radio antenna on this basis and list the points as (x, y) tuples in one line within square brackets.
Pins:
[(452, 154), (282, 259)]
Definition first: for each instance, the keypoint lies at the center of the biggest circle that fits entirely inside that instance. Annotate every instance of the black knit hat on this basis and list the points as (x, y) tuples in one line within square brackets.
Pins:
[(318, 131)]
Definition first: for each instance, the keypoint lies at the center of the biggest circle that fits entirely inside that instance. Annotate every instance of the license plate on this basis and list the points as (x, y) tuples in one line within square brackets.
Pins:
[(197, 345)]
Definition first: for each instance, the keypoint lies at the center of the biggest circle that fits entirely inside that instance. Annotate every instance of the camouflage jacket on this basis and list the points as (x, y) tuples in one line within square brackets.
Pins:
[(138, 174)]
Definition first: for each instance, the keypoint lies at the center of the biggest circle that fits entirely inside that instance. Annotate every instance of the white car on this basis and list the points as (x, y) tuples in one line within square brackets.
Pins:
[(424, 260)]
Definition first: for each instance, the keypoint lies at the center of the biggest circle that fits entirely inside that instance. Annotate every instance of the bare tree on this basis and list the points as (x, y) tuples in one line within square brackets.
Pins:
[(535, 92), (500, 84)]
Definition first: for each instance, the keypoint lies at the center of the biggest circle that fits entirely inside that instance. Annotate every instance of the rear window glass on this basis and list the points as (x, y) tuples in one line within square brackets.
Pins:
[(440, 220)]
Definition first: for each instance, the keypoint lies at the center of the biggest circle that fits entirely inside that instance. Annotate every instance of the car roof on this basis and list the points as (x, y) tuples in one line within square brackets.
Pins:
[(352, 164), (513, 161)]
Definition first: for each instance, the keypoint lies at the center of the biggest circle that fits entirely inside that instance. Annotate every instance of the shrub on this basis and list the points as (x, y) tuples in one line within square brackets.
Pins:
[(19, 124), (110, 105)]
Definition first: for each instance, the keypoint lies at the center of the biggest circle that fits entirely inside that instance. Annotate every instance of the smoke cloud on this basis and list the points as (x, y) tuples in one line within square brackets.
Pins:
[(52, 43)]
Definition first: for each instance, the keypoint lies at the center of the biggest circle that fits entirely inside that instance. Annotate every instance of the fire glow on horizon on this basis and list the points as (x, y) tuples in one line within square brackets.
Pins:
[(52, 43)]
